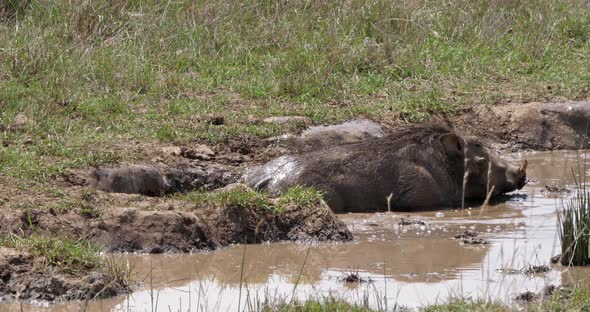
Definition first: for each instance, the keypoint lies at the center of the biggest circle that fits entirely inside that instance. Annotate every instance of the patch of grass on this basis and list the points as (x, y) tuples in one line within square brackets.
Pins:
[(120, 270), (574, 229), (462, 305), (328, 304), (301, 197), (238, 198), (67, 254), (246, 198), (89, 212)]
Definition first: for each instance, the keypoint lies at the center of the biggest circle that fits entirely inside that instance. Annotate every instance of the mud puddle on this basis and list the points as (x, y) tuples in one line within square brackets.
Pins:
[(409, 265)]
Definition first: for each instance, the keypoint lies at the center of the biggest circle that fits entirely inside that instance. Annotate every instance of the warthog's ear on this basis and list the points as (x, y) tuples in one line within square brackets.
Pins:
[(452, 144)]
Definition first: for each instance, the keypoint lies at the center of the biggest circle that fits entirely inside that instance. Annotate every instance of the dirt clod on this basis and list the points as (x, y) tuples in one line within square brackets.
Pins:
[(527, 297), (216, 120), (474, 241), (554, 189), (536, 269), (404, 221), (171, 150), (555, 259), (201, 152), (354, 277), (467, 234)]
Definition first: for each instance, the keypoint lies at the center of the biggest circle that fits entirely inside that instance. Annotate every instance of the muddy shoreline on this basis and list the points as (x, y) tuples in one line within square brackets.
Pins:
[(154, 221), (27, 277)]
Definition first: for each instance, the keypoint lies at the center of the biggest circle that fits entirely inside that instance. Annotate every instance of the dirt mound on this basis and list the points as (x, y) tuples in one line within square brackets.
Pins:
[(182, 229), (25, 277), (230, 225), (538, 126)]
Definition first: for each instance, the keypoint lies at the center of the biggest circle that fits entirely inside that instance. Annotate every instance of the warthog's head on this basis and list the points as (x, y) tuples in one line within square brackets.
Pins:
[(489, 173), (486, 173)]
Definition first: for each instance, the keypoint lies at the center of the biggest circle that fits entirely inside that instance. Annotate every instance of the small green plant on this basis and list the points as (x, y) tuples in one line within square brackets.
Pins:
[(88, 212)]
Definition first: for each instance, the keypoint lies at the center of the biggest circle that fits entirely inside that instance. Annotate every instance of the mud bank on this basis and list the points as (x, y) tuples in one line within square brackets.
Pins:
[(507, 127), (141, 224), (24, 276), (535, 126), (121, 222)]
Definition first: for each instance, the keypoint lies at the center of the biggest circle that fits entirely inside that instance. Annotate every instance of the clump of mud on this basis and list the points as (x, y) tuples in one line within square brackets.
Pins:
[(527, 270), (562, 293), (404, 222), (469, 237), (24, 276), (354, 277), (555, 259), (554, 190), (527, 297), (536, 269)]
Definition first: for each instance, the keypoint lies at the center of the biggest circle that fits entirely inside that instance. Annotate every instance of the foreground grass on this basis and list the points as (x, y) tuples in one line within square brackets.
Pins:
[(576, 299), (94, 77), (329, 304), (574, 222)]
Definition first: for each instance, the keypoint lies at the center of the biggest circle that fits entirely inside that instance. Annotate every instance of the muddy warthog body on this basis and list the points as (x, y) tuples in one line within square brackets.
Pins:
[(415, 168)]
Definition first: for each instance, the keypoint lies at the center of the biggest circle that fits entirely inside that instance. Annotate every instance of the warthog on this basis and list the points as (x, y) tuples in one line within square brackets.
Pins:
[(417, 167)]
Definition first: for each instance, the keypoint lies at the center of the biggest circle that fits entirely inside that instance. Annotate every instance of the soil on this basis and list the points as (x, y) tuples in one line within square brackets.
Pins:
[(535, 126), (25, 277)]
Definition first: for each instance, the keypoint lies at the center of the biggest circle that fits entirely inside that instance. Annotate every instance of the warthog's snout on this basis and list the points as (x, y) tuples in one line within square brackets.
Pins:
[(515, 178)]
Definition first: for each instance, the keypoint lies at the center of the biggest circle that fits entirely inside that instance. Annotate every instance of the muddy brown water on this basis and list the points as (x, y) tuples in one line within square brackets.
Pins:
[(410, 265)]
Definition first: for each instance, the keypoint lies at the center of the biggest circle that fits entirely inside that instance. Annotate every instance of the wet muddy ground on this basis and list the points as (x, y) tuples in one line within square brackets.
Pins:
[(409, 265)]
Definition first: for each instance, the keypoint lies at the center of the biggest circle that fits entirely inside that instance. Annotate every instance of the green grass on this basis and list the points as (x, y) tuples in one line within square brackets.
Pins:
[(575, 299), (328, 305), (93, 76), (246, 198), (461, 305), (67, 254), (574, 229)]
